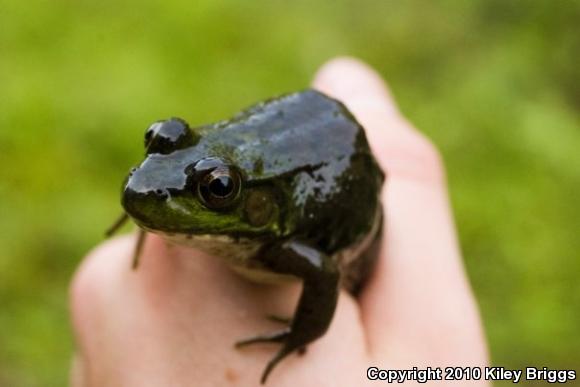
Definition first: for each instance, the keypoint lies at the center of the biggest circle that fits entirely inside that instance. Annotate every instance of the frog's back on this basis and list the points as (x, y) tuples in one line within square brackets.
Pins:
[(298, 131), (311, 147)]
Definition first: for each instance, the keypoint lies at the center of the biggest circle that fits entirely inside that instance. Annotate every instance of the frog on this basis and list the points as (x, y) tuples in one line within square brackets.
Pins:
[(285, 190)]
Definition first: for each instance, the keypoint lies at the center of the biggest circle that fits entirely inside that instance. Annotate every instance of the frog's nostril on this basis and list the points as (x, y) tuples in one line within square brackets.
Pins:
[(163, 193)]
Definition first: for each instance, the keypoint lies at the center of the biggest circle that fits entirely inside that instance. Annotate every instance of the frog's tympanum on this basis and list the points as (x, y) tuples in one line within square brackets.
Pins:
[(287, 189)]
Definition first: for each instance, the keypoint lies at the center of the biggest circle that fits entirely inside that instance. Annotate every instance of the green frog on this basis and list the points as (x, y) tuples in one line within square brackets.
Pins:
[(287, 189)]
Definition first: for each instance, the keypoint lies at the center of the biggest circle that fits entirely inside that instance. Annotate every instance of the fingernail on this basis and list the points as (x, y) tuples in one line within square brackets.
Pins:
[(355, 83)]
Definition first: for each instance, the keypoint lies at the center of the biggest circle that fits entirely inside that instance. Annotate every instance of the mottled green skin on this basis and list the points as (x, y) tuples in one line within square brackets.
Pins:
[(311, 159)]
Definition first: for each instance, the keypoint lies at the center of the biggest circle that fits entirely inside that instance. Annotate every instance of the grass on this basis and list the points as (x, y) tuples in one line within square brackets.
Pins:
[(493, 83)]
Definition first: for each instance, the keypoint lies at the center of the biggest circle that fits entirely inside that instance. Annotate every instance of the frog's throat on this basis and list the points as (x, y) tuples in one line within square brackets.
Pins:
[(239, 252)]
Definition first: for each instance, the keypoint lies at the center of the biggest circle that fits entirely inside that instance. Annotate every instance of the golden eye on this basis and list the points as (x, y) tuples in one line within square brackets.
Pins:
[(220, 187)]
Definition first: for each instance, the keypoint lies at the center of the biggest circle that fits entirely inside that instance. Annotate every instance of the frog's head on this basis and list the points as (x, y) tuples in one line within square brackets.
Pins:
[(181, 189)]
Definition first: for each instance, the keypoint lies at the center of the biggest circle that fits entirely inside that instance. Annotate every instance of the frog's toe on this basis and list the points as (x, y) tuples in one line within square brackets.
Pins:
[(285, 351), (276, 337), (279, 319)]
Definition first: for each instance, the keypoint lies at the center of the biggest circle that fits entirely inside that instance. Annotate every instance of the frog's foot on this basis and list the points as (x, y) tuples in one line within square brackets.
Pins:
[(276, 337), (138, 248), (289, 347), (317, 301), (117, 225), (285, 351), (279, 319)]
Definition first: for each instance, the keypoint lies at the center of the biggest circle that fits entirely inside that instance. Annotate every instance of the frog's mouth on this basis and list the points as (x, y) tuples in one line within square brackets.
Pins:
[(142, 225), (156, 209), (237, 253), (150, 190), (144, 208)]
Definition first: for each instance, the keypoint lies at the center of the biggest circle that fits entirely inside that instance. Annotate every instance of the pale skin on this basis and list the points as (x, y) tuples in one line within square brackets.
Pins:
[(173, 322)]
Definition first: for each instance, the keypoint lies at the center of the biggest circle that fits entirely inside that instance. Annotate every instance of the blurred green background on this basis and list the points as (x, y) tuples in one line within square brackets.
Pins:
[(495, 84)]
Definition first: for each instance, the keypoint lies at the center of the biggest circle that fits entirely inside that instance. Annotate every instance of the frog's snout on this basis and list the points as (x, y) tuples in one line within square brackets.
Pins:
[(142, 202)]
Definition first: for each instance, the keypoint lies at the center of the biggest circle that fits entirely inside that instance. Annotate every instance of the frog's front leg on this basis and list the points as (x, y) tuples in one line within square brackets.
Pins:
[(316, 305)]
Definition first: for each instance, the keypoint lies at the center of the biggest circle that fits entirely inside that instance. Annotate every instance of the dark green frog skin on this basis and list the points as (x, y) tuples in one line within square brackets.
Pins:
[(287, 189)]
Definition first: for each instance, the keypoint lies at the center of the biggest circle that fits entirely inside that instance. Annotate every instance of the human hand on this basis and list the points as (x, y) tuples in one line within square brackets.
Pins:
[(173, 322)]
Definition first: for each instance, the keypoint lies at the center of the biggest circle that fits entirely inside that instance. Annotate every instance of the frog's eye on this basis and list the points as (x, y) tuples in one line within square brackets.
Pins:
[(220, 187), (168, 136)]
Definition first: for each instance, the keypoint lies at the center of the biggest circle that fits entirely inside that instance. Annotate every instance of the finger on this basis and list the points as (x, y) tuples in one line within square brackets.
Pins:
[(176, 318), (402, 151), (419, 298), (76, 375)]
